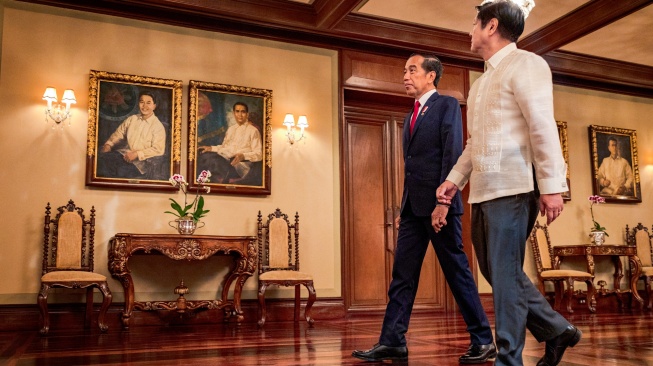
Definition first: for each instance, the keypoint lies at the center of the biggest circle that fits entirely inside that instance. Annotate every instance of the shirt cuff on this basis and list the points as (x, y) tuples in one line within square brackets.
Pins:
[(552, 185), (458, 179)]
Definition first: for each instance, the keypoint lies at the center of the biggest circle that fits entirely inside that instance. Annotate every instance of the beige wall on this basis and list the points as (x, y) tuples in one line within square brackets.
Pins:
[(581, 108), (44, 46)]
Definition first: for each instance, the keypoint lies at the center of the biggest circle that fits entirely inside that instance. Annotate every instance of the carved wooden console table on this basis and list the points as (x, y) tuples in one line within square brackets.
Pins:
[(589, 251), (184, 247)]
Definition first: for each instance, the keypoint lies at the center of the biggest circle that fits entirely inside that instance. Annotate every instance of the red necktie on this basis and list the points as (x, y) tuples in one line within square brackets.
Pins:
[(414, 117)]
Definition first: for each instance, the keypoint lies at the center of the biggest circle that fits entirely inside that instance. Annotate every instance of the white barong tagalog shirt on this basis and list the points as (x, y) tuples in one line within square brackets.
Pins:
[(511, 130)]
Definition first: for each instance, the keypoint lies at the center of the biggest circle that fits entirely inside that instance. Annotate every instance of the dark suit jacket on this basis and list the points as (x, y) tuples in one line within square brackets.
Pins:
[(431, 152)]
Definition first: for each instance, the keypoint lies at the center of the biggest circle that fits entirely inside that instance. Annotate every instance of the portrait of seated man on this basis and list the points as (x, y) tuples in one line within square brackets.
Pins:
[(615, 176), (238, 158), (136, 148)]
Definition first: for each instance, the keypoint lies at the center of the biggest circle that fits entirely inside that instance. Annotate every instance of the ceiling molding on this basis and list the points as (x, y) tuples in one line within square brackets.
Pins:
[(406, 36), (584, 20), (331, 12), (600, 69), (295, 22)]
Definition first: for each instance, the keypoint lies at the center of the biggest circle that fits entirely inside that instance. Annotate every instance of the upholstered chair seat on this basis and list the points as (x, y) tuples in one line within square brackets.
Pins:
[(285, 275), (72, 276)]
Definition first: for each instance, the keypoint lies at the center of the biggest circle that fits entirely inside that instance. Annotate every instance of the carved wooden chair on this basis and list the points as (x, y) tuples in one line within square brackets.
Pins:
[(68, 261), (543, 252), (639, 236), (278, 246)]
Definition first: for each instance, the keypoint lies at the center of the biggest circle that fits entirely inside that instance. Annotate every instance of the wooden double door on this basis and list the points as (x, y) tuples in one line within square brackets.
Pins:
[(373, 189)]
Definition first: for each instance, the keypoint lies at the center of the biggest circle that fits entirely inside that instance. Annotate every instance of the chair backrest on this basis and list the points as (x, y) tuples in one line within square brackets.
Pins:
[(640, 237), (541, 244), (278, 242), (68, 239)]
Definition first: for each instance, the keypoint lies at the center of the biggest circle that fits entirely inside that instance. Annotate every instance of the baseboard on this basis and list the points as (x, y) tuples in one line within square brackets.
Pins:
[(69, 316)]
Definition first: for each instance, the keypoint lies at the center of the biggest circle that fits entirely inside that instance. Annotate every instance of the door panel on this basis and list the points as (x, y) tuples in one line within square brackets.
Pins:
[(374, 185), (366, 212)]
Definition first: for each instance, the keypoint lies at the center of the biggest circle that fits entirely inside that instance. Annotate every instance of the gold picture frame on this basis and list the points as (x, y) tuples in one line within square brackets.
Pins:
[(562, 135), (219, 116), (117, 104), (615, 165)]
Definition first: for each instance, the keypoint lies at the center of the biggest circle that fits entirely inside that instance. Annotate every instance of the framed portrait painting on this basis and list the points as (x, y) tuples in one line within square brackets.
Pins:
[(562, 135), (134, 131), (229, 134), (615, 168)]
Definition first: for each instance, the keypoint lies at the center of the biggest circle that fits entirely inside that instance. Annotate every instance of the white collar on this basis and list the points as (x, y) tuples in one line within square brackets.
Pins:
[(496, 59)]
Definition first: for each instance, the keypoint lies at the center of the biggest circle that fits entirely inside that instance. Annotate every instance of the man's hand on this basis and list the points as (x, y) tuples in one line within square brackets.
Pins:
[(203, 149), (397, 221), (551, 205), (106, 148), (438, 217), (445, 192), (237, 159), (130, 156), (621, 191)]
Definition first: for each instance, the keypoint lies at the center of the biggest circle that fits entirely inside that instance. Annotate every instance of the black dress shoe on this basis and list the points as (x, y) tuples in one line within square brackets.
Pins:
[(477, 353), (556, 347), (380, 352)]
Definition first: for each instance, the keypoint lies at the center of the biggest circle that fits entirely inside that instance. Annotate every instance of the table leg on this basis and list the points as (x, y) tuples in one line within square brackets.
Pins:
[(118, 257), (618, 275), (635, 272), (237, 274), (128, 287), (590, 263), (229, 278), (238, 291)]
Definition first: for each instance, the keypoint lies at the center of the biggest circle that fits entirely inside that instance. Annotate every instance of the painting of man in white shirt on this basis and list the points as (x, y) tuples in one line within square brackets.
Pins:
[(615, 175)]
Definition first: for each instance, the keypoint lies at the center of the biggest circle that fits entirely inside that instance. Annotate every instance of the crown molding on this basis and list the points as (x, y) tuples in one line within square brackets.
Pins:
[(325, 23)]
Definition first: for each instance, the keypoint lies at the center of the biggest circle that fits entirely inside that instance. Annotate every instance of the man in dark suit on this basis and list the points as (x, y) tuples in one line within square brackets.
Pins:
[(432, 142)]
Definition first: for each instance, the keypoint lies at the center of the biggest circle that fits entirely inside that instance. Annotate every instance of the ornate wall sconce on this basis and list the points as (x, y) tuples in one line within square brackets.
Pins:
[(289, 122), (56, 111)]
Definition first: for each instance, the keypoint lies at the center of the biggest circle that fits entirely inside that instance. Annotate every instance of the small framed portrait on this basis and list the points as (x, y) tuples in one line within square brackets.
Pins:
[(615, 168), (134, 131), (229, 134), (562, 135)]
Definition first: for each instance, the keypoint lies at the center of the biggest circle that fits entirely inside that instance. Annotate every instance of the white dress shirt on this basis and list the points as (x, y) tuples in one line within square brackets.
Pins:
[(145, 136), (618, 172), (511, 130), (241, 139)]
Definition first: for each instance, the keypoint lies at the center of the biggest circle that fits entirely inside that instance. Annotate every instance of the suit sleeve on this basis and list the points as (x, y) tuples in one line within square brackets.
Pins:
[(451, 134)]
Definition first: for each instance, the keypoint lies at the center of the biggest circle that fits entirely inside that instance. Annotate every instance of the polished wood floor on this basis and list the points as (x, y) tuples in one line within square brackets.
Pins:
[(613, 338)]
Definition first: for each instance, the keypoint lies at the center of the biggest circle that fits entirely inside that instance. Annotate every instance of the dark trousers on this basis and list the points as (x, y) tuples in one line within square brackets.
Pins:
[(500, 228), (414, 235), (219, 167), (113, 165)]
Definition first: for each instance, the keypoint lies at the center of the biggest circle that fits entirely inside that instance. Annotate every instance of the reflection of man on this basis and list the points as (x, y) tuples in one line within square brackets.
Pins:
[(240, 148), (615, 175), (134, 143)]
